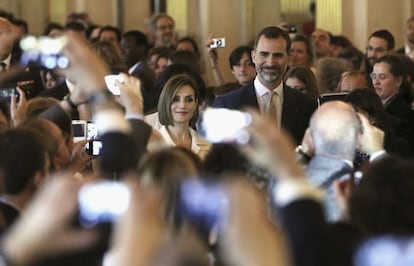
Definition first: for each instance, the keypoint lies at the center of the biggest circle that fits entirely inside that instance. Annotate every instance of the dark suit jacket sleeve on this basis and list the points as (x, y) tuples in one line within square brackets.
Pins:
[(121, 152), (219, 103), (141, 133), (304, 223)]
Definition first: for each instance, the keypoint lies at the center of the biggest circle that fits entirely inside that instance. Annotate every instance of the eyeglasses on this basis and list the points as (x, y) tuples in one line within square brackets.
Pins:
[(166, 27)]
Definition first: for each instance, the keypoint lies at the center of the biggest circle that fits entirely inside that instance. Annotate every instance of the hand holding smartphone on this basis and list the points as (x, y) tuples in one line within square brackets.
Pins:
[(218, 43), (111, 80)]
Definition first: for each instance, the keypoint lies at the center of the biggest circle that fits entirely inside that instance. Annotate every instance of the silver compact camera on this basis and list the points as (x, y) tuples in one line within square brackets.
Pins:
[(218, 43)]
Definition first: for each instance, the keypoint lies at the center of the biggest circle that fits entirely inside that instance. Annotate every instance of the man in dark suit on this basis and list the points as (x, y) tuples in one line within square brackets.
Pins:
[(23, 165), (134, 48), (271, 57)]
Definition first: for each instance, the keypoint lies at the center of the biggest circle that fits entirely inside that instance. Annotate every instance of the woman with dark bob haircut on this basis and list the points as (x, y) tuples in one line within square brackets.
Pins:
[(367, 102), (177, 111)]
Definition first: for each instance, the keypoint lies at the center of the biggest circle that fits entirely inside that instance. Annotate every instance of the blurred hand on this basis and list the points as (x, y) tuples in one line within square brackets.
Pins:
[(249, 238), (142, 223), (80, 158), (342, 192), (307, 144), (212, 52), (271, 148), (131, 96), (86, 69), (45, 227), (18, 109)]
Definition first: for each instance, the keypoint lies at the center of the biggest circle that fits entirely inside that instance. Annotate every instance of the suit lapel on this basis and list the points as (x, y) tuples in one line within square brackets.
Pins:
[(251, 97)]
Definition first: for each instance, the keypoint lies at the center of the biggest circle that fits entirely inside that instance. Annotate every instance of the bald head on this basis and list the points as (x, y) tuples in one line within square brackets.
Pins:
[(7, 38), (335, 129)]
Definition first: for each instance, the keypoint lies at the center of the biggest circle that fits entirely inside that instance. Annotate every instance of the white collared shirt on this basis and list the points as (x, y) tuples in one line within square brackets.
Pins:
[(408, 51), (263, 98), (199, 145)]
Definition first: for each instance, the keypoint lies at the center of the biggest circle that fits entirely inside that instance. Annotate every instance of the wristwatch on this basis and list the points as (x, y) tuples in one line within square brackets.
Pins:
[(70, 102)]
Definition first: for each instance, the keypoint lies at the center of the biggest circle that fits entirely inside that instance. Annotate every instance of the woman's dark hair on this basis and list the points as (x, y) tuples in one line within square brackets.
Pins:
[(399, 69), (369, 102), (306, 76), (382, 202), (167, 96), (175, 69), (186, 57), (353, 55), (193, 43)]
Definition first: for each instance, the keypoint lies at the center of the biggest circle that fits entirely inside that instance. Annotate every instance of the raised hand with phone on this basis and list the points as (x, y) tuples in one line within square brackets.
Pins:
[(18, 106)]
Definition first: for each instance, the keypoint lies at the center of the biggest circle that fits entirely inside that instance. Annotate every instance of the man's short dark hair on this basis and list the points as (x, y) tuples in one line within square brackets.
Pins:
[(237, 54), (273, 32), (386, 35), (75, 26), (112, 28), (139, 37), (22, 154), (352, 54)]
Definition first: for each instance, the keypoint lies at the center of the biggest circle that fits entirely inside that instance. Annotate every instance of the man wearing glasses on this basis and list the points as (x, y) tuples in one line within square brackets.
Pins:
[(380, 43), (164, 26)]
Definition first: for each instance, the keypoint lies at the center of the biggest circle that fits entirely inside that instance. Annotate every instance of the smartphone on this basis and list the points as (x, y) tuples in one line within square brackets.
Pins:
[(102, 202), (44, 51), (79, 130), (323, 98), (292, 29), (218, 43), (93, 147), (110, 81), (204, 203), (224, 125), (92, 130), (7, 92), (385, 250)]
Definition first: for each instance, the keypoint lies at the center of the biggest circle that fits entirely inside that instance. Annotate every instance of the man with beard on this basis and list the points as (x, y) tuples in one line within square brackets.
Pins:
[(408, 49), (380, 44), (289, 108)]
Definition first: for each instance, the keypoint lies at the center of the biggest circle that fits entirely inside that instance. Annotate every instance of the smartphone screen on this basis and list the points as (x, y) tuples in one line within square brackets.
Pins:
[(79, 130), (224, 125), (202, 202), (93, 147), (102, 202), (7, 92)]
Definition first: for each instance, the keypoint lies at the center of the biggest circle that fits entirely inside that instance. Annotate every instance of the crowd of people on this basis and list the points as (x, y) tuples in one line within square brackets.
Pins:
[(320, 173)]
